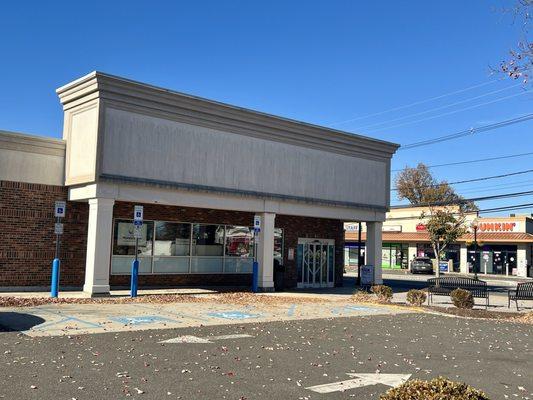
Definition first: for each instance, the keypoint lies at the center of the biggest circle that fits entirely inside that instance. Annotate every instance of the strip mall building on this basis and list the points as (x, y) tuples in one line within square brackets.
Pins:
[(504, 244), (202, 170)]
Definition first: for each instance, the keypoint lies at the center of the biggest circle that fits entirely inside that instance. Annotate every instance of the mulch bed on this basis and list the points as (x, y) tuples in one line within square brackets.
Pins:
[(241, 298), (484, 314)]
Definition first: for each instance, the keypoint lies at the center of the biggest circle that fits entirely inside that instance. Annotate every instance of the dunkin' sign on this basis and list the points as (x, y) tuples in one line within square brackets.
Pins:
[(498, 226)]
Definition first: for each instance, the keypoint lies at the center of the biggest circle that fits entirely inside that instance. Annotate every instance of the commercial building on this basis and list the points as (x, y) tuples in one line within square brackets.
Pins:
[(202, 170), (504, 244)]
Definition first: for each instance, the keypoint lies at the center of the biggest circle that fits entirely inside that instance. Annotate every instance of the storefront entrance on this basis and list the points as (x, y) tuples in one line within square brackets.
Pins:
[(316, 263), (492, 259)]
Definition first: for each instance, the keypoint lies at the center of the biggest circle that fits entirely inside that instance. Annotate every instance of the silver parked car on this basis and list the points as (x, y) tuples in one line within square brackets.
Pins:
[(421, 265)]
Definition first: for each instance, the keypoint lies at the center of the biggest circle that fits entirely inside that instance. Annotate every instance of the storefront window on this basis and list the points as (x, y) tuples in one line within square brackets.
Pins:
[(239, 249), (425, 250), (181, 248), (124, 241), (493, 259), (239, 241), (124, 247), (172, 239), (208, 240), (453, 252), (394, 255), (172, 245), (278, 245), (351, 255)]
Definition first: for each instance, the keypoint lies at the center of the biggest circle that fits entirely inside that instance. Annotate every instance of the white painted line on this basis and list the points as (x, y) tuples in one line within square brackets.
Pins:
[(225, 337), (361, 380), (209, 339), (186, 339)]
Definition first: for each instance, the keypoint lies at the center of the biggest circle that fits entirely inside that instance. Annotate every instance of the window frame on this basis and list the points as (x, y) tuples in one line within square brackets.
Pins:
[(190, 256)]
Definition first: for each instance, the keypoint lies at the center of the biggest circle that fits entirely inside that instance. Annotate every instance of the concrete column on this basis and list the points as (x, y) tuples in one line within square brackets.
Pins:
[(373, 249), (463, 258), (521, 260), (99, 236), (411, 254), (265, 252)]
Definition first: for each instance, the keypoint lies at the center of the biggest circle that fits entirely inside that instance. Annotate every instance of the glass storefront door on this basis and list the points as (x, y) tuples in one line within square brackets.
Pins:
[(394, 255), (316, 263), (351, 261), (492, 259)]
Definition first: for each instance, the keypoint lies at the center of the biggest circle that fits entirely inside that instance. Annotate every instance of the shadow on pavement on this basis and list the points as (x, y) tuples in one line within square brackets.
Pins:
[(16, 322)]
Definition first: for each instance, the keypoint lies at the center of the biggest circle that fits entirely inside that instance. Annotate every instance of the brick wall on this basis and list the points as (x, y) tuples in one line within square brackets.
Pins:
[(27, 244), (28, 240)]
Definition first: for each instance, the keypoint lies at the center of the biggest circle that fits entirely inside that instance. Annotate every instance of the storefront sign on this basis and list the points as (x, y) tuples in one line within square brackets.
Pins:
[(499, 227), (351, 227), (392, 228), (126, 234), (421, 227)]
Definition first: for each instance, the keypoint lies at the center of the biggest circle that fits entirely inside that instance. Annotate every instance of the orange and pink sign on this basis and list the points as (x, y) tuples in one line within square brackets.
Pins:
[(498, 226)]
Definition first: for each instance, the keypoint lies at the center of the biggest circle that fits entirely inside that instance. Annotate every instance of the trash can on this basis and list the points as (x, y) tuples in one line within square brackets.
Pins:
[(279, 276)]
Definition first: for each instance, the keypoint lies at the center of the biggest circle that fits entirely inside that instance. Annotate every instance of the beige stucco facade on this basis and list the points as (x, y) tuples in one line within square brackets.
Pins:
[(128, 141), (31, 159)]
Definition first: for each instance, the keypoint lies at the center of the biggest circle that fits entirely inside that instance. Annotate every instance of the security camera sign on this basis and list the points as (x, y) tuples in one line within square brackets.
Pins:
[(60, 209)]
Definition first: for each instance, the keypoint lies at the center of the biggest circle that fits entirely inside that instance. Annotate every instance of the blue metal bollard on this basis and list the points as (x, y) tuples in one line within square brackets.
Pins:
[(54, 289), (255, 277), (134, 276)]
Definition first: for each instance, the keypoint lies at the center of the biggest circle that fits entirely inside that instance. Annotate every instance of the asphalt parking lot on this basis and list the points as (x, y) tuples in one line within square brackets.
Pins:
[(270, 360)]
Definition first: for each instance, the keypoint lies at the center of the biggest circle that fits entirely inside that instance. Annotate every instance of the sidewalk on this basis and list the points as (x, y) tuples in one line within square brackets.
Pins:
[(55, 319)]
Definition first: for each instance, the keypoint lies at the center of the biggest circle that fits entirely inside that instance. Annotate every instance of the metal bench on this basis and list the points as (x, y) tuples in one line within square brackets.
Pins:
[(444, 286), (523, 291)]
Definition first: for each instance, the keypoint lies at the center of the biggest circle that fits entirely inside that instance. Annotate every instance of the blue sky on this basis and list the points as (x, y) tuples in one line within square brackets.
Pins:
[(321, 62)]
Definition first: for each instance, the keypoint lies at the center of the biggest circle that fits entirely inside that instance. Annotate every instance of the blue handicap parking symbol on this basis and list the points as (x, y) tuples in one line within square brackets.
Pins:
[(233, 315), (140, 320)]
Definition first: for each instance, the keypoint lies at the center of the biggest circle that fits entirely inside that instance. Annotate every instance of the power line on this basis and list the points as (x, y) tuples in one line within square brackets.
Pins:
[(481, 211), (473, 199), (485, 178), (507, 208), (450, 112), (503, 186), (466, 132), (415, 103), (437, 108), (473, 161)]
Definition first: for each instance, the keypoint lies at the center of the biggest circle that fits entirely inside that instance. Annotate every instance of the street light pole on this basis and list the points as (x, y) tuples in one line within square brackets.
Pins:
[(474, 227)]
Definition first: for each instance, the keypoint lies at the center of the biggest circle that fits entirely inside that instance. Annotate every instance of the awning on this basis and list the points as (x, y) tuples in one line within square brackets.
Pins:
[(486, 237)]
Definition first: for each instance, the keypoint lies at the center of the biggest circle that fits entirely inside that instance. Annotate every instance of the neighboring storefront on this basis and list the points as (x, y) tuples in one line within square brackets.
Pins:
[(504, 244), (203, 171)]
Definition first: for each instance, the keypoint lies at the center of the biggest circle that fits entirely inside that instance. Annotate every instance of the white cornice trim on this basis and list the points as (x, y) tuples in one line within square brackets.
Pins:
[(196, 110), (31, 144)]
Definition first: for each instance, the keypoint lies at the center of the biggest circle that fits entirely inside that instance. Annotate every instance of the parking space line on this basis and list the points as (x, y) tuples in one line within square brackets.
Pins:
[(67, 317), (292, 308), (174, 314)]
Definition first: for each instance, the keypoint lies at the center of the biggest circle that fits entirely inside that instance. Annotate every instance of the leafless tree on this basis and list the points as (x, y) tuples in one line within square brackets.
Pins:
[(519, 65)]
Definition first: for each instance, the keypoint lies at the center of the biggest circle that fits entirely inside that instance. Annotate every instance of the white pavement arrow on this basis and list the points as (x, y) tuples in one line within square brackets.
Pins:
[(196, 339), (362, 380)]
